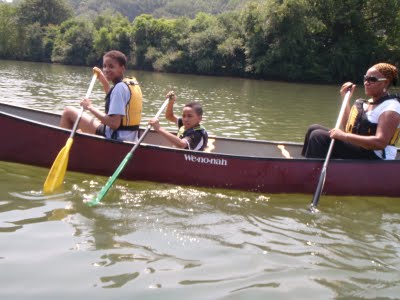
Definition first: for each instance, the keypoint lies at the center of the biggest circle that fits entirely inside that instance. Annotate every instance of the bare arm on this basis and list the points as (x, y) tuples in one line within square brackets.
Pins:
[(387, 125), (112, 121), (180, 143), (169, 113), (102, 78)]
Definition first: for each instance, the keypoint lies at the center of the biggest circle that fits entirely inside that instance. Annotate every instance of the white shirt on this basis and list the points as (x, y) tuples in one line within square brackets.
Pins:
[(373, 116)]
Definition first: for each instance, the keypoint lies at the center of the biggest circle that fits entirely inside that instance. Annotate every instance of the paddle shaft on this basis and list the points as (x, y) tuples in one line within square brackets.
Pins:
[(322, 177), (89, 91), (122, 165), (57, 171)]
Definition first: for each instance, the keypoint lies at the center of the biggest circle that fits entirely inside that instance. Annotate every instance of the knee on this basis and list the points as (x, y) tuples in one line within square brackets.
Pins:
[(314, 127), (318, 144), (69, 111), (319, 133)]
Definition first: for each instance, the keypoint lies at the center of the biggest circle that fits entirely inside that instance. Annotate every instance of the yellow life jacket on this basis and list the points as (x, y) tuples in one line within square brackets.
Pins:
[(133, 109), (358, 122)]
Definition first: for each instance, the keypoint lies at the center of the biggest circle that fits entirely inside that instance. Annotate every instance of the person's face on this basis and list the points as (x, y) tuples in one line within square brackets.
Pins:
[(112, 69), (190, 118), (374, 83)]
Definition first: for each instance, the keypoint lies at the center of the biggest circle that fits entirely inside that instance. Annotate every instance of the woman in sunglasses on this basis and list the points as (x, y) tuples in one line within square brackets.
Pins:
[(371, 127)]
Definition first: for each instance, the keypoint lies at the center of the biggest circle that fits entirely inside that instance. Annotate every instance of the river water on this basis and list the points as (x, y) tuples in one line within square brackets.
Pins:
[(158, 241)]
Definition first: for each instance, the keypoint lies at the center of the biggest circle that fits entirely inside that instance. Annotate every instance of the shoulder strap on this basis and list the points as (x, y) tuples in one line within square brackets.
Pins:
[(384, 98)]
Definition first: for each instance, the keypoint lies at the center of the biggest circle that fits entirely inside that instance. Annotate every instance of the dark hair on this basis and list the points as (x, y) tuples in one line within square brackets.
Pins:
[(196, 106), (118, 56)]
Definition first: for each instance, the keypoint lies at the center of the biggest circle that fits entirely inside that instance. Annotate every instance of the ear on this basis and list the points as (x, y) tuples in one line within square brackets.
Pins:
[(387, 86)]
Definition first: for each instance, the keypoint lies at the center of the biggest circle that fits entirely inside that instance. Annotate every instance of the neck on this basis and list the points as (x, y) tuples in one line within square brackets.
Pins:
[(198, 124), (377, 97), (117, 80)]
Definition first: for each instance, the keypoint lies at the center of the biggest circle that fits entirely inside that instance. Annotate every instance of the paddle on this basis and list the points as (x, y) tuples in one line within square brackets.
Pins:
[(57, 172), (122, 165), (322, 177)]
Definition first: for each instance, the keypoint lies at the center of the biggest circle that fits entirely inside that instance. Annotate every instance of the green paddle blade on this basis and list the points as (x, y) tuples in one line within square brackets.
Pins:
[(56, 174), (110, 181)]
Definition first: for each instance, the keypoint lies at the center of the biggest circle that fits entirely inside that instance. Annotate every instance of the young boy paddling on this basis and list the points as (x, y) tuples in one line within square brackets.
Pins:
[(123, 107), (191, 134)]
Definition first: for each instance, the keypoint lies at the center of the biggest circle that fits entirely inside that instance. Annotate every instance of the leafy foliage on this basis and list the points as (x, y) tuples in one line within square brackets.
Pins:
[(74, 42), (157, 8), (295, 40), (8, 36), (44, 12)]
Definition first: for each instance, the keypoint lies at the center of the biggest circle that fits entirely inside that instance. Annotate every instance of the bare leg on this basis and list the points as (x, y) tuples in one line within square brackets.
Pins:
[(68, 117), (87, 123)]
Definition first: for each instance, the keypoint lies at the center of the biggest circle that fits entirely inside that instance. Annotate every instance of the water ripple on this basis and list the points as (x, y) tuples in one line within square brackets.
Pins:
[(150, 240)]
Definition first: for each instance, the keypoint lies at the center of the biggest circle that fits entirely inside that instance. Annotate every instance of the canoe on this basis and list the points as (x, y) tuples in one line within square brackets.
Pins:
[(33, 137)]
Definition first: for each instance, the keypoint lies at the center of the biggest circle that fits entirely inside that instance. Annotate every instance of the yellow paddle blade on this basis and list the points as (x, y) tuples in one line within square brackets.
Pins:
[(56, 175)]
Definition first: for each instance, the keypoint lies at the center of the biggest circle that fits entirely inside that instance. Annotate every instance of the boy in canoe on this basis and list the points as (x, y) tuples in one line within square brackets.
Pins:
[(191, 135), (123, 103)]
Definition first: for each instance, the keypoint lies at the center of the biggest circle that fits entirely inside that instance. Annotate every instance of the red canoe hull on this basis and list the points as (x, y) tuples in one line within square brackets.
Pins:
[(33, 143)]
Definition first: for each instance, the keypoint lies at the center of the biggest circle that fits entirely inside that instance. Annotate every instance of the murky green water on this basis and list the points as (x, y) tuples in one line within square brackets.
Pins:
[(157, 241)]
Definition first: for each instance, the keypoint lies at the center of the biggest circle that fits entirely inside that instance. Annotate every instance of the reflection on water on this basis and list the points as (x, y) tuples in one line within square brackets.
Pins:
[(197, 243), (158, 241)]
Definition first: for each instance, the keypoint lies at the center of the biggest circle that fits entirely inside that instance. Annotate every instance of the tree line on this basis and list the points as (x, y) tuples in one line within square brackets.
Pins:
[(292, 40), (157, 8)]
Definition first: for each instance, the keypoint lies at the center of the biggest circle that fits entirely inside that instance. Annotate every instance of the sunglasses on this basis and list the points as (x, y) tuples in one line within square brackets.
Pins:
[(373, 79)]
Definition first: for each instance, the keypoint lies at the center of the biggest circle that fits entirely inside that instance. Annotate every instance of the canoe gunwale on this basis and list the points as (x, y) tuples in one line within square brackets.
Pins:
[(173, 149), (99, 156)]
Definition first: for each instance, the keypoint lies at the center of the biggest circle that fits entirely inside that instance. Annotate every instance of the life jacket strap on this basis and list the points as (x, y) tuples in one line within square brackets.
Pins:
[(132, 128)]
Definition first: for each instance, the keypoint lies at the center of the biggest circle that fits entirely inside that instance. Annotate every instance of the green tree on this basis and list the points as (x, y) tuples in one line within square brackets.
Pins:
[(252, 19), (232, 48), (74, 42), (8, 34), (149, 33), (177, 58), (383, 22), (204, 39), (113, 31), (34, 43), (355, 34), (37, 42), (44, 12), (295, 40), (101, 43), (50, 35), (290, 48)]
